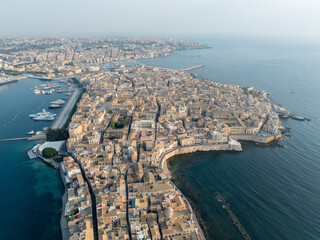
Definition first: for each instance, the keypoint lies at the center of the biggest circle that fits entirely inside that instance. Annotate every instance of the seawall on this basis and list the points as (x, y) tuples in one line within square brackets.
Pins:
[(7, 82), (189, 149), (258, 139), (163, 164)]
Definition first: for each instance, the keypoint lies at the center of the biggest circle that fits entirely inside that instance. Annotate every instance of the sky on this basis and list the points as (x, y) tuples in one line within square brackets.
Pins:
[(281, 18)]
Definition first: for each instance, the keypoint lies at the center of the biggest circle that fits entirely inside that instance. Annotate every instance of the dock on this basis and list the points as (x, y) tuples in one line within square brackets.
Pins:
[(65, 112), (191, 68), (32, 155), (13, 139), (235, 220), (33, 138)]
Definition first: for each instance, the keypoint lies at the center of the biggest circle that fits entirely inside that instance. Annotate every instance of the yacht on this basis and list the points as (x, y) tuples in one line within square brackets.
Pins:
[(43, 116), (30, 133), (59, 101), (54, 105), (37, 91)]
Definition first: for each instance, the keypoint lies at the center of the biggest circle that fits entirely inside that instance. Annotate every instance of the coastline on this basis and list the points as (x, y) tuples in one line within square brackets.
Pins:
[(165, 158), (63, 221)]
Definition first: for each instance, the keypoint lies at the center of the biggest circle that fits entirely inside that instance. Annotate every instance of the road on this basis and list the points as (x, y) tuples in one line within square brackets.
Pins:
[(93, 201), (64, 114)]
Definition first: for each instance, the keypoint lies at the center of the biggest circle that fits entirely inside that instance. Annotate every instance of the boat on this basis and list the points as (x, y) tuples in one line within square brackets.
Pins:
[(59, 101), (55, 106), (30, 133), (44, 79), (43, 116), (37, 91)]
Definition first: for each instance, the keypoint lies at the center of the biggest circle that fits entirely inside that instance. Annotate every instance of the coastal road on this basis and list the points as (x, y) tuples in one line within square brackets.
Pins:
[(64, 114)]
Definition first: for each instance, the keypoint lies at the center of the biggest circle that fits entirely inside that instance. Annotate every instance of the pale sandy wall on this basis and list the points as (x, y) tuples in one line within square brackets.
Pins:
[(189, 149), (258, 139)]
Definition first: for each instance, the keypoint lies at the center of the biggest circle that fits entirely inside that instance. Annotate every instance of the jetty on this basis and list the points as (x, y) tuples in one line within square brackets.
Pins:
[(13, 139), (33, 138), (235, 220), (191, 68), (67, 109)]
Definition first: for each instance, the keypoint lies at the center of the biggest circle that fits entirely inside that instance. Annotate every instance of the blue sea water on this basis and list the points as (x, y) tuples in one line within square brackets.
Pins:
[(274, 191), (30, 190)]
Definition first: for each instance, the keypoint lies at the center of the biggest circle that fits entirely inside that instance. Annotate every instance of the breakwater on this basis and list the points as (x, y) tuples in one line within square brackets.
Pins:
[(5, 82), (191, 68), (190, 149), (235, 220), (255, 138)]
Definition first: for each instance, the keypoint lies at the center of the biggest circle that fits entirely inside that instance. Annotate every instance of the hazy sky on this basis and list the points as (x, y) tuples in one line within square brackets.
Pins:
[(160, 17)]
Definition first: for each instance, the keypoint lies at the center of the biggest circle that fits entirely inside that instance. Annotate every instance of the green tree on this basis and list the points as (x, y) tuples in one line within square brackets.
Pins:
[(57, 134), (49, 152)]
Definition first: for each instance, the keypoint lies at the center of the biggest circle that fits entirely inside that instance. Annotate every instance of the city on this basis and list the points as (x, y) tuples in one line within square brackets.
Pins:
[(129, 122)]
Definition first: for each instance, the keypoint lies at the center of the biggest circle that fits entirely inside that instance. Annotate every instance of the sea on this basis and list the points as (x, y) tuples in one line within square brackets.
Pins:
[(273, 190), (30, 190)]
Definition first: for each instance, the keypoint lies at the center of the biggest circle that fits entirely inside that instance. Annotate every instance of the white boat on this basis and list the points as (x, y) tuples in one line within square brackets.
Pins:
[(30, 133), (55, 106), (43, 116), (59, 101)]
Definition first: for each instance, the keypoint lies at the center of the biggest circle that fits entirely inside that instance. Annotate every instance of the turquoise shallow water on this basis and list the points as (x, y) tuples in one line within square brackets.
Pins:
[(274, 191), (30, 190)]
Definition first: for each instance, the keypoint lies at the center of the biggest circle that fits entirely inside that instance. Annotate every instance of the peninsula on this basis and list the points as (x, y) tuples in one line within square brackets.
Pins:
[(128, 123)]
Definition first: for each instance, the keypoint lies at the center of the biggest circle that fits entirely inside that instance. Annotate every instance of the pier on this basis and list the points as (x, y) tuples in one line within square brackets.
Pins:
[(33, 138), (235, 220), (13, 139), (65, 112), (191, 68)]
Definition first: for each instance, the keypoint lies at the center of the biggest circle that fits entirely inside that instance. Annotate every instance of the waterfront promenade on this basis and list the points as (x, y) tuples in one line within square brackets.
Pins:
[(65, 113)]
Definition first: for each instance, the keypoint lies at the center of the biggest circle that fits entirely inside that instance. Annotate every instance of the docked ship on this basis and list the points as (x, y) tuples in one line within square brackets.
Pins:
[(57, 104), (36, 91), (59, 101), (54, 105), (30, 133), (44, 79), (43, 116)]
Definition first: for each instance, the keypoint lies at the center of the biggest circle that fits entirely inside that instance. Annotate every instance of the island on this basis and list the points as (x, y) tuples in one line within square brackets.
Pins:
[(127, 124)]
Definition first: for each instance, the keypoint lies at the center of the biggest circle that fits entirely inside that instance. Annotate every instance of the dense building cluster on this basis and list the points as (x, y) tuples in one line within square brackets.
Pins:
[(128, 123), (125, 123), (72, 57)]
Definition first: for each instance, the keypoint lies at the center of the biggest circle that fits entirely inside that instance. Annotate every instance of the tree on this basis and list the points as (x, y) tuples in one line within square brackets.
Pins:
[(57, 134), (49, 152), (117, 125), (144, 146)]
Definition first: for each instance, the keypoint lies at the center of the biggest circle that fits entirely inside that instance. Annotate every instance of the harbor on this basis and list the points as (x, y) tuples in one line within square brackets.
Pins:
[(32, 180)]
